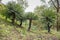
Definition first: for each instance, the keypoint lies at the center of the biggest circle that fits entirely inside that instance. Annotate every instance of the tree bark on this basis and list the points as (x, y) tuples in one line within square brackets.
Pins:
[(13, 18), (57, 7), (57, 15), (20, 22), (57, 20), (53, 4), (30, 21), (48, 27)]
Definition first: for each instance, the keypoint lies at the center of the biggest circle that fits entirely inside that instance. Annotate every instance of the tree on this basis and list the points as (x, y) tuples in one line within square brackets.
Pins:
[(21, 18), (48, 18), (15, 10), (56, 5), (11, 11), (31, 16), (38, 10)]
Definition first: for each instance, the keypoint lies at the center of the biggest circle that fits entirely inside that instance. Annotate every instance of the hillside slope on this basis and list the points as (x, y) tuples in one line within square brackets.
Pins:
[(13, 32)]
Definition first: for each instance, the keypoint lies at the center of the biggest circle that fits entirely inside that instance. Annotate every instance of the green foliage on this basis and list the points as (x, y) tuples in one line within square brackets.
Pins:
[(18, 9), (47, 15), (32, 16), (2, 9), (15, 8), (50, 14)]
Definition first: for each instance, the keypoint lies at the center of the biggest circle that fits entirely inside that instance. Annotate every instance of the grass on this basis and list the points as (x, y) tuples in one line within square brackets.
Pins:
[(13, 32)]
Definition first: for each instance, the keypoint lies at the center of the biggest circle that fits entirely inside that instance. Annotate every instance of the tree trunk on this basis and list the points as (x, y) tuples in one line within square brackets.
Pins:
[(57, 7), (57, 20), (20, 23), (48, 27), (13, 18), (30, 21), (57, 15)]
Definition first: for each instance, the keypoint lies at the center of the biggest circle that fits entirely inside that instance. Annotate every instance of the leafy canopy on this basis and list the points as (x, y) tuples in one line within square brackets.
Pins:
[(31, 16), (48, 15)]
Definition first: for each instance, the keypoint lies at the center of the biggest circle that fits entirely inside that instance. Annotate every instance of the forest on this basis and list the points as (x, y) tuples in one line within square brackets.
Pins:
[(41, 24)]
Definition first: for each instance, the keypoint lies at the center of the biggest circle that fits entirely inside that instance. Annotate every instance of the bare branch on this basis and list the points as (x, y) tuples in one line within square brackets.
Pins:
[(53, 4)]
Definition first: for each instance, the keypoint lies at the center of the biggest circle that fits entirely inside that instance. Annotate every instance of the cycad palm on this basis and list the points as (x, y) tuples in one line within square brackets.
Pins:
[(48, 18), (31, 16)]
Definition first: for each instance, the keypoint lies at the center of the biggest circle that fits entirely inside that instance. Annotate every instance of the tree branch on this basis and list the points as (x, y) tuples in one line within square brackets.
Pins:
[(53, 4)]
